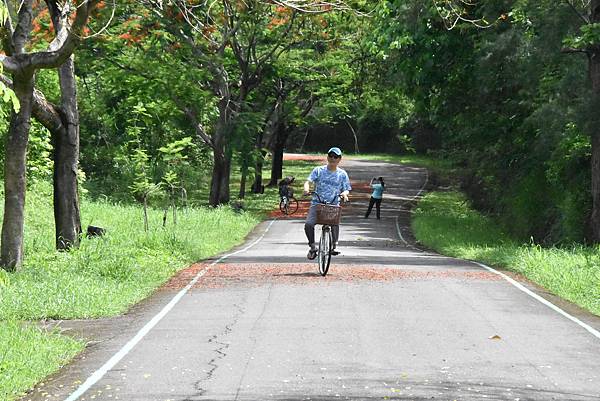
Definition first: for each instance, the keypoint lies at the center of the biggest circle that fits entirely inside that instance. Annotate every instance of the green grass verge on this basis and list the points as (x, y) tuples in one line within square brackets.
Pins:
[(28, 354), (445, 222), (105, 276)]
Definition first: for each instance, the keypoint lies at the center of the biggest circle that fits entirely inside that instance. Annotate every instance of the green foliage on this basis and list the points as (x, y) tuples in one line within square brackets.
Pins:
[(172, 153), (176, 161), (589, 36), (39, 156), (4, 278), (39, 152), (141, 186), (8, 96), (504, 103)]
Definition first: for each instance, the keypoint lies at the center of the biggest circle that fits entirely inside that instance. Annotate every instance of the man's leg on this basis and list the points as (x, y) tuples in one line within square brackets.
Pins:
[(309, 230), (335, 234), (378, 204)]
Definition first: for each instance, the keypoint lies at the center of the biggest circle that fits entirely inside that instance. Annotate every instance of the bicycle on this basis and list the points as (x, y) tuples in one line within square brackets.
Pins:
[(288, 205), (328, 215)]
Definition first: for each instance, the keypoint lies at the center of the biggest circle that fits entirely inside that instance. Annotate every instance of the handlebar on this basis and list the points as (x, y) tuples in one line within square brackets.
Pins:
[(339, 196)]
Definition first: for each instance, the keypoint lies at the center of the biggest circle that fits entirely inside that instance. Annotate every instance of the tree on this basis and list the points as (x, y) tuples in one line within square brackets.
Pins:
[(585, 41), (236, 42), (237, 48), (588, 42), (491, 85), (22, 64)]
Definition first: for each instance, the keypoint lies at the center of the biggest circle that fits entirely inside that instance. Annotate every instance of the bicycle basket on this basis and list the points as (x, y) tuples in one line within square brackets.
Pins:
[(328, 214)]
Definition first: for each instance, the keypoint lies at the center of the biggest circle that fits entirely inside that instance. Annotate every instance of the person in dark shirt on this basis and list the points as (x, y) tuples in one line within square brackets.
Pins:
[(285, 187)]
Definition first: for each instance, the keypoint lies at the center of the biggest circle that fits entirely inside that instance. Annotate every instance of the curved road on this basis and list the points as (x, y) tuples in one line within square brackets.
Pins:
[(389, 322)]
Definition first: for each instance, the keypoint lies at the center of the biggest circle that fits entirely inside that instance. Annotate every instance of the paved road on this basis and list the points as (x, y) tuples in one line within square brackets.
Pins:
[(389, 322)]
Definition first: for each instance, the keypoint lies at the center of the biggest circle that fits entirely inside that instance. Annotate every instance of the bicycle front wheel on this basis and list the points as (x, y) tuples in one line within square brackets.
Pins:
[(324, 255)]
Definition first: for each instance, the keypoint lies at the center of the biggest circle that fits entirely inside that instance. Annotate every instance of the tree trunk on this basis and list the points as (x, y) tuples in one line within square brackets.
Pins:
[(258, 187), (277, 165), (15, 164), (277, 150), (174, 206), (242, 193), (356, 150), (595, 218), (594, 72), (66, 163), (257, 184), (306, 134), (219, 187), (145, 212)]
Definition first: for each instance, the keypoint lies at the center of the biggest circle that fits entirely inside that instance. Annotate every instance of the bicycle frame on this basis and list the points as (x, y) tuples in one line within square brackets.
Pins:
[(325, 248), (325, 244)]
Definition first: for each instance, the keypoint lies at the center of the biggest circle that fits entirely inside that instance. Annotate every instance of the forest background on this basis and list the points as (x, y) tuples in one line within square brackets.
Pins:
[(166, 121), (172, 94)]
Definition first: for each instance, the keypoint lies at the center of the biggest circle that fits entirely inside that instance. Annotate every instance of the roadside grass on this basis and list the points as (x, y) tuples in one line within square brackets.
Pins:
[(27, 354), (105, 276), (445, 222)]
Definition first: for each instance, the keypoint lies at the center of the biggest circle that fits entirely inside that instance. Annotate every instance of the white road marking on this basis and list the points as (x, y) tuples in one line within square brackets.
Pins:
[(515, 283), (549, 304), (98, 374), (410, 200)]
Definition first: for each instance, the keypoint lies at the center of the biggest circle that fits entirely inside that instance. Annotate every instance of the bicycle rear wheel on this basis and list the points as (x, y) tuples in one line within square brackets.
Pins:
[(324, 254), (292, 205), (284, 205)]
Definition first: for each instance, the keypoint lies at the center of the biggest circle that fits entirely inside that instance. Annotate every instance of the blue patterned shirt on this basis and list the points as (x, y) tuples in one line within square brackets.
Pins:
[(329, 184)]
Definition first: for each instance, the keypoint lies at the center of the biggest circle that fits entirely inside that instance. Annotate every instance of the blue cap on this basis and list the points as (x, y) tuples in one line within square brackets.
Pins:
[(335, 150)]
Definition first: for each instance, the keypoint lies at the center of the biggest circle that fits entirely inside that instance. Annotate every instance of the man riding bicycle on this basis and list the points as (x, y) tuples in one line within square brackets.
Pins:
[(330, 181)]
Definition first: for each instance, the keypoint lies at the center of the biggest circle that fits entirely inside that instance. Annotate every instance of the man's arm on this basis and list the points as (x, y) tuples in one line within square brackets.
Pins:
[(306, 187), (346, 187), (344, 195)]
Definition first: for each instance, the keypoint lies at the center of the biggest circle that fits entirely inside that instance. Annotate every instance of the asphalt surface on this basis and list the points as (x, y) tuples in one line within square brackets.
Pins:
[(390, 321)]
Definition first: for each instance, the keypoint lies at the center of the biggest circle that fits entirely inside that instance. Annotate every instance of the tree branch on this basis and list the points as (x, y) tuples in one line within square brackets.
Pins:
[(66, 40), (574, 50), (315, 7), (7, 31), (576, 11), (43, 111), (23, 28), (198, 127)]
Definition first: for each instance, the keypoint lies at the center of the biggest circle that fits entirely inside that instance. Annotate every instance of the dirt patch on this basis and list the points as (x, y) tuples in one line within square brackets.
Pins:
[(225, 275), (303, 206), (360, 186)]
